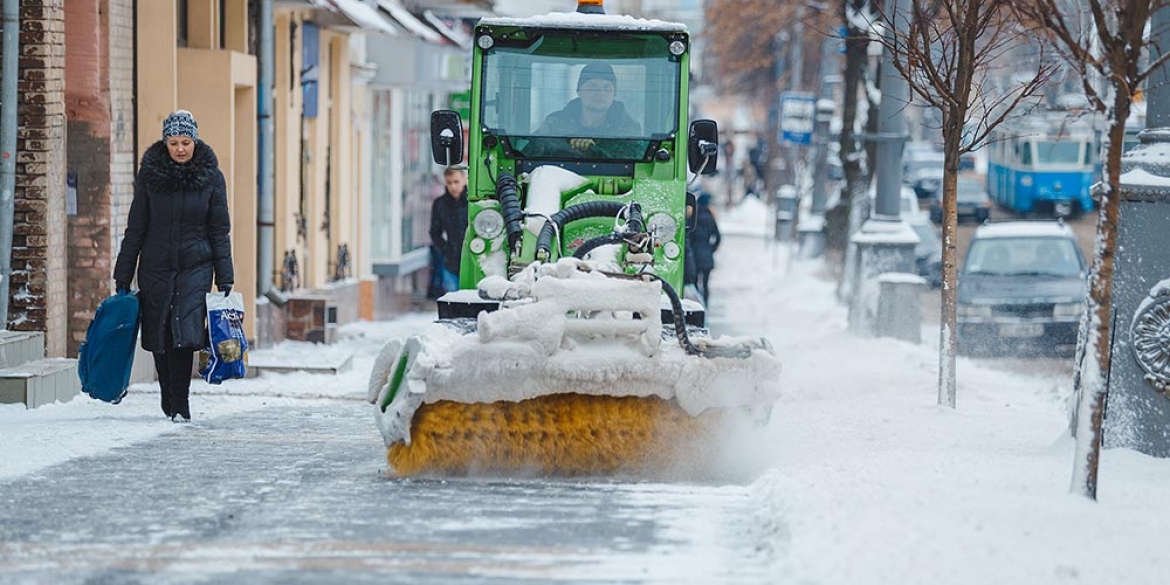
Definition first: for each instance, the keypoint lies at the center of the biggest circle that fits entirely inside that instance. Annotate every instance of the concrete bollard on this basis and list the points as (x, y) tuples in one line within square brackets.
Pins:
[(899, 313), (882, 246), (786, 202), (811, 232)]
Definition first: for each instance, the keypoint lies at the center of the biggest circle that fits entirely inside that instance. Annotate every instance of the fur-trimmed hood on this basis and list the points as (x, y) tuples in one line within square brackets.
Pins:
[(159, 173)]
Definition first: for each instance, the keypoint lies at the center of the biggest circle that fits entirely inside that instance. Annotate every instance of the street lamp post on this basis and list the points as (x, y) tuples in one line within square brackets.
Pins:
[(1139, 374)]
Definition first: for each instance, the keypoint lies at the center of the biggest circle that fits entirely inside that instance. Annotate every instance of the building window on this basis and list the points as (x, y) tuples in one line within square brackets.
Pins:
[(181, 33)]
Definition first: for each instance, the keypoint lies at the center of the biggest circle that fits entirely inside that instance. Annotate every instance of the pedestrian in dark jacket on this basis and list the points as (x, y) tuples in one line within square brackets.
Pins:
[(177, 239), (704, 241), (690, 268), (449, 223)]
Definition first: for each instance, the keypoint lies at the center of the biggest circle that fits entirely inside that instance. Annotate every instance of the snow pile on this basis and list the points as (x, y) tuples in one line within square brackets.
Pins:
[(546, 183), (749, 217)]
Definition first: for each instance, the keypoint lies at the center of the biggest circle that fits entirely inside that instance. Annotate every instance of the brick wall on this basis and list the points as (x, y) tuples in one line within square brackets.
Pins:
[(38, 287), (123, 157), (99, 70)]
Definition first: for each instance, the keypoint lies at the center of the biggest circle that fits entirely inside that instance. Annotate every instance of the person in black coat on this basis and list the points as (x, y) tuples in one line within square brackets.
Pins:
[(704, 241), (177, 238), (448, 224), (594, 115)]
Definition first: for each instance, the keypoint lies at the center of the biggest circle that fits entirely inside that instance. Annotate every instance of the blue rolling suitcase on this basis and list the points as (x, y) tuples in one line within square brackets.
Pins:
[(106, 357)]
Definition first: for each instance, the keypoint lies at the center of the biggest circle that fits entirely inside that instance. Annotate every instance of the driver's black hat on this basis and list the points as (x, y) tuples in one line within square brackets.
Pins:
[(597, 71)]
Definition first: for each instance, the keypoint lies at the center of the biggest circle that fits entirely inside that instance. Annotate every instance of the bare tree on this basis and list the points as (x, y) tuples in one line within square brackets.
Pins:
[(741, 35), (947, 51), (858, 16), (1104, 41)]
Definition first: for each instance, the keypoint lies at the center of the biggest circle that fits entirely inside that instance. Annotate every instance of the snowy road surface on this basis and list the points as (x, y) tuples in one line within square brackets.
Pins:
[(866, 480), (297, 495)]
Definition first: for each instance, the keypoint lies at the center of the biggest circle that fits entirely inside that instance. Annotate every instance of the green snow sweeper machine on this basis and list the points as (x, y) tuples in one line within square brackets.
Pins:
[(568, 350)]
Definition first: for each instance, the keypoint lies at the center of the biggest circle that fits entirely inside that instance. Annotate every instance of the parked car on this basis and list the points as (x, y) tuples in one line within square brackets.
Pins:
[(928, 252), (922, 170), (971, 202), (1022, 284)]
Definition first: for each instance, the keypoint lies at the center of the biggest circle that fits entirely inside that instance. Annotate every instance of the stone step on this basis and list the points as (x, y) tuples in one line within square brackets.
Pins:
[(39, 382), (327, 360), (18, 347)]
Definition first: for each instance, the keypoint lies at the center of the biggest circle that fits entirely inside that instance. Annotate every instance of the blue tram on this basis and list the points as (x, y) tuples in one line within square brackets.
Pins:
[(1048, 170)]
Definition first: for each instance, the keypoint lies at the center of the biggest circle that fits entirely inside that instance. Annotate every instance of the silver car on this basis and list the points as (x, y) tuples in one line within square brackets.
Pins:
[(1023, 284)]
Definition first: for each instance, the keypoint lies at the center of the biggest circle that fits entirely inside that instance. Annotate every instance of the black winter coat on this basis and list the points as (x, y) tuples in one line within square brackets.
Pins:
[(177, 238), (567, 122), (448, 224), (705, 239), (618, 122)]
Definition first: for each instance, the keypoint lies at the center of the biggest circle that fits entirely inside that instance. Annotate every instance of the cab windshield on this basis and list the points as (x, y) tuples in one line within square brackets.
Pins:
[(546, 100)]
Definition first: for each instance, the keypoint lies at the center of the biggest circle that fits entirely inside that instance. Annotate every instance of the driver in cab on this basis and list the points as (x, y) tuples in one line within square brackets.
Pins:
[(594, 112)]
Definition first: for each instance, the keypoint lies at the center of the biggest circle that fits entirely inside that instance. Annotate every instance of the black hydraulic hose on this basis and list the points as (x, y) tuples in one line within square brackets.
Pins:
[(570, 214), (508, 192), (635, 223), (589, 246), (680, 325)]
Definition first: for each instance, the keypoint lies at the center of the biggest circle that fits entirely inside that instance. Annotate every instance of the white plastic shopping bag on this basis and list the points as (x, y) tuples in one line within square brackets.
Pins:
[(226, 338)]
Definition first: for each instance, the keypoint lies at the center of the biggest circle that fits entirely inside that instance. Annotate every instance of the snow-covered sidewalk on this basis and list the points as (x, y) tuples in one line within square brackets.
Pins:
[(872, 482), (868, 480)]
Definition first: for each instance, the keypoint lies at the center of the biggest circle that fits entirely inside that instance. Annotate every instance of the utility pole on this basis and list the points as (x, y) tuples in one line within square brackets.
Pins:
[(891, 124), (885, 243), (9, 72), (266, 215)]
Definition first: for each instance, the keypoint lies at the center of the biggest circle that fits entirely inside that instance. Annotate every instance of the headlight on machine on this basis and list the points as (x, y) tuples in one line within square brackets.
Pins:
[(488, 223), (974, 311), (1067, 309), (662, 226)]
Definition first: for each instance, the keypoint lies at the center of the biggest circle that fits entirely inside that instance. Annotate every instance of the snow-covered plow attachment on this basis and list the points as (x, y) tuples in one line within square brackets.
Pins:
[(573, 374)]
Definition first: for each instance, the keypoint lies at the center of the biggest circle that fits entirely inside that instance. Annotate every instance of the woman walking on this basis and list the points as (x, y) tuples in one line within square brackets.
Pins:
[(177, 239)]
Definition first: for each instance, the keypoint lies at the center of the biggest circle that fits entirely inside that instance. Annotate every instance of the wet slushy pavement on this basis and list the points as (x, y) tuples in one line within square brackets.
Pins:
[(299, 495)]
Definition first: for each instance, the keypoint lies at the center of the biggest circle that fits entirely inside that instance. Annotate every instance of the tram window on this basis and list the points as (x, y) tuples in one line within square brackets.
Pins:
[(1059, 152), (1026, 154)]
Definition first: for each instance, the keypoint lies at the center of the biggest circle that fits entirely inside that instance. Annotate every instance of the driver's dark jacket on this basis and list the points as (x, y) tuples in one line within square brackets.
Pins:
[(567, 122)]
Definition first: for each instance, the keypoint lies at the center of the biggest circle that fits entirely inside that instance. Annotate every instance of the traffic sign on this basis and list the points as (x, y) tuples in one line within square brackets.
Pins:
[(797, 115)]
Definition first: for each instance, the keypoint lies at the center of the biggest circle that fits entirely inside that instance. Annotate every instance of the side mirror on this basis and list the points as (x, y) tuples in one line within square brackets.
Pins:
[(692, 211), (446, 137), (703, 147)]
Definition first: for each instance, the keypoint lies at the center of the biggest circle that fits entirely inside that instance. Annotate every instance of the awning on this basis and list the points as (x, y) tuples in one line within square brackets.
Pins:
[(365, 16), (407, 20), (451, 30)]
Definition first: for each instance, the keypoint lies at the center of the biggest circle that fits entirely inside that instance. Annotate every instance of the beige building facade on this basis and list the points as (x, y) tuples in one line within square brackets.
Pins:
[(354, 82)]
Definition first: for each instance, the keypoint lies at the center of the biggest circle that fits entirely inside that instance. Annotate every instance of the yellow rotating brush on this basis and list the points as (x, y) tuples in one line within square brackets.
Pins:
[(559, 434)]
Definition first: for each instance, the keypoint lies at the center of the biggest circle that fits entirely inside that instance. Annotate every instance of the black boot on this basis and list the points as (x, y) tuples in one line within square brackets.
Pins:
[(164, 384), (182, 361), (167, 400)]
